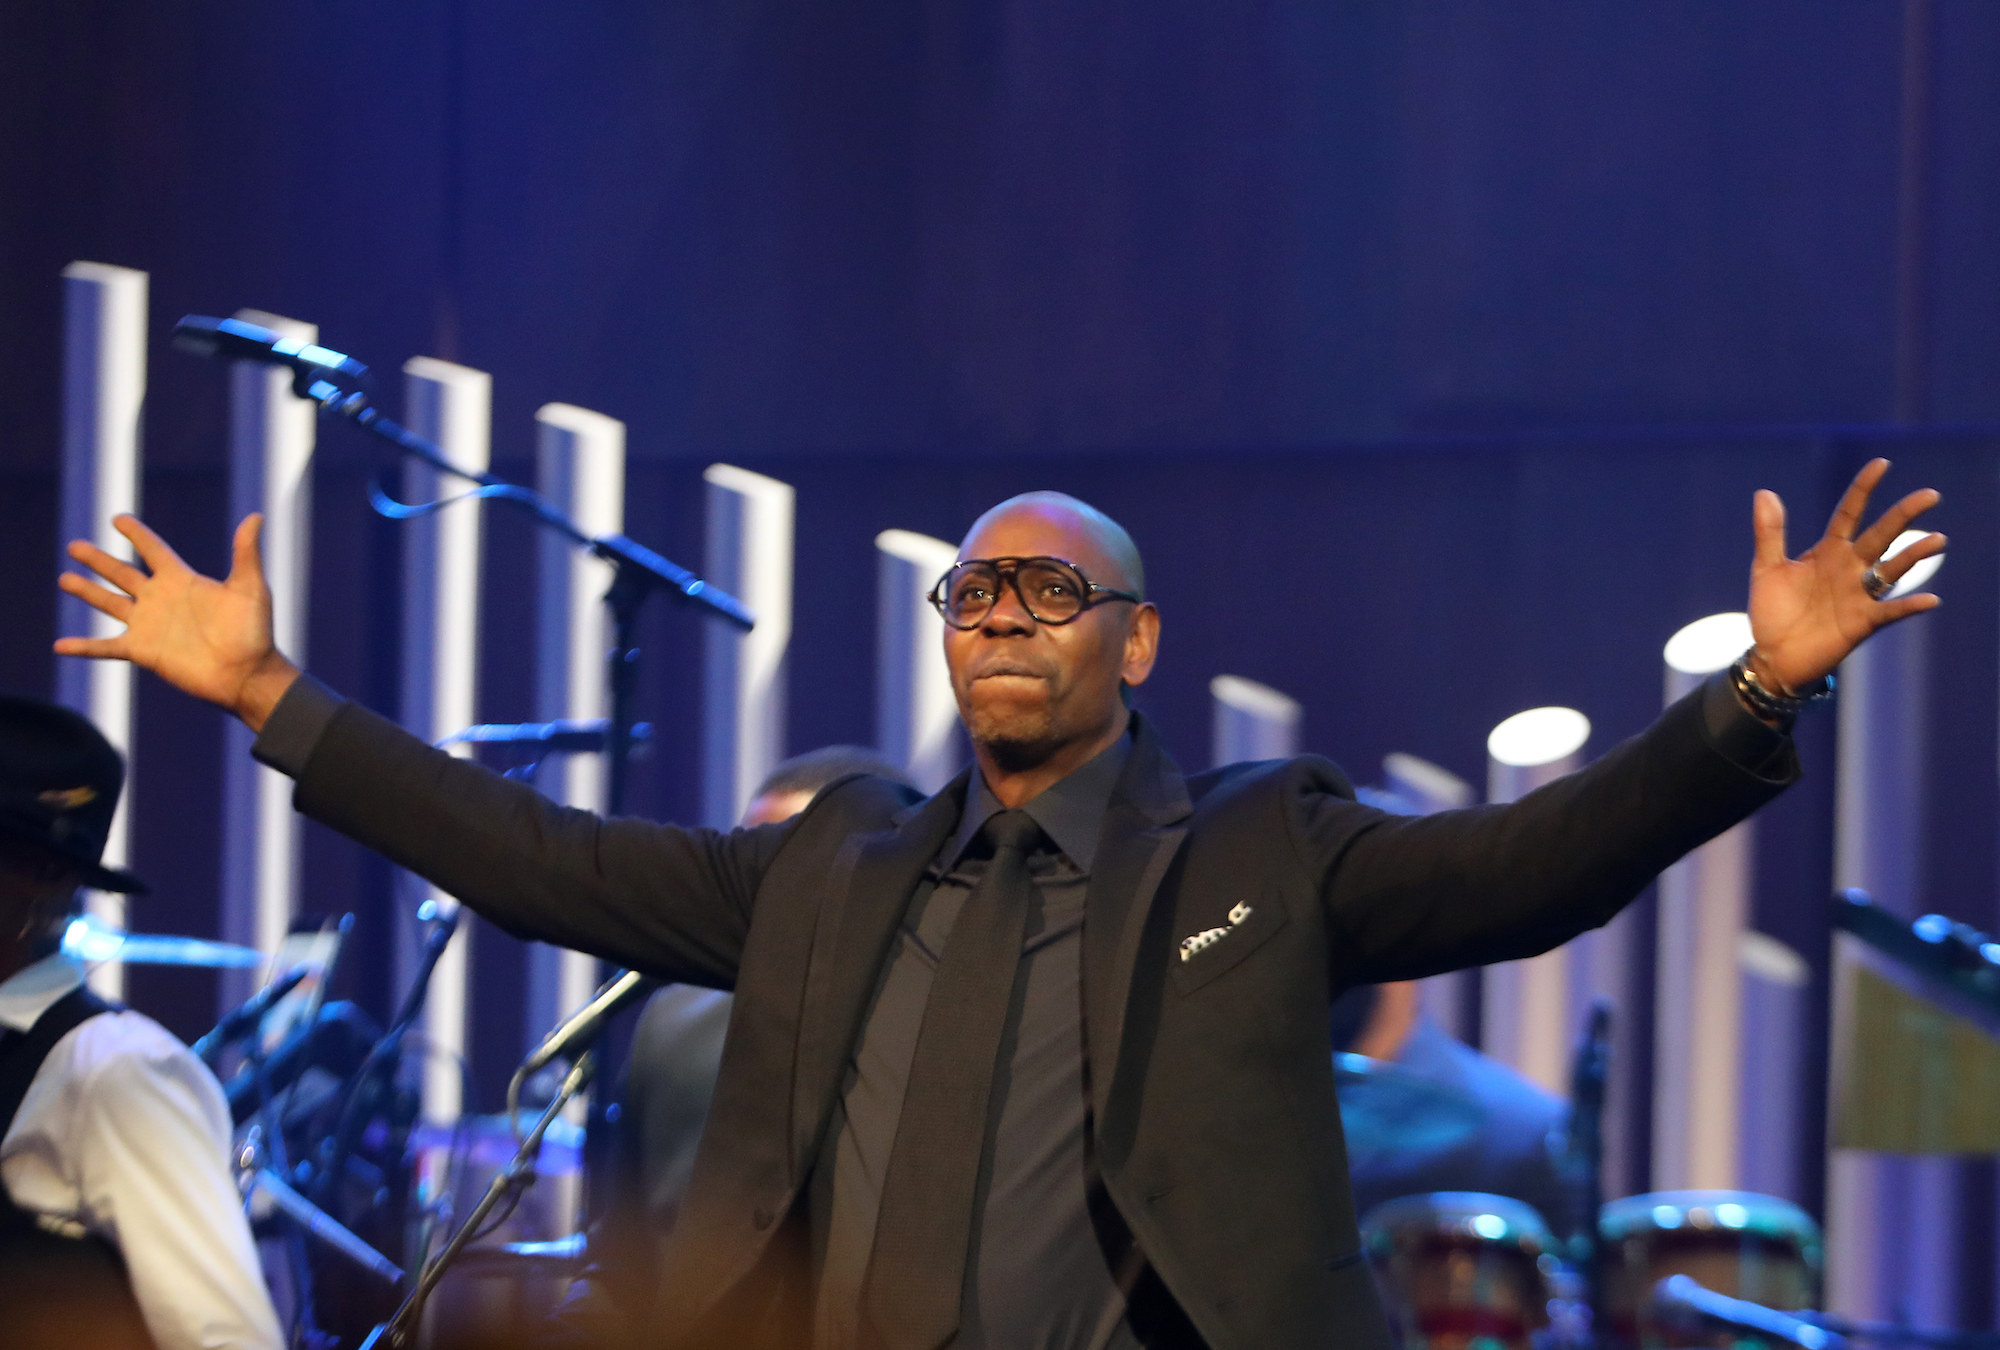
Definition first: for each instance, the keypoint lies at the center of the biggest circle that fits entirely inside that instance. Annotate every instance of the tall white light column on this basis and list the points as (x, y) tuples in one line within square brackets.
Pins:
[(916, 717), (1891, 1222), (1527, 1019), (271, 438), (1698, 998), (104, 395), (1252, 721), (451, 406), (749, 555), (580, 467)]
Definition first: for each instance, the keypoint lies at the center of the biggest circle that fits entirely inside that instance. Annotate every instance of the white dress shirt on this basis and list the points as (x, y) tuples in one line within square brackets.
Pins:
[(125, 1134)]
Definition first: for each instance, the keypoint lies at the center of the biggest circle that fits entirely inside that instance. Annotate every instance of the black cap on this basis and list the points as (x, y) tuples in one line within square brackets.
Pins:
[(59, 784)]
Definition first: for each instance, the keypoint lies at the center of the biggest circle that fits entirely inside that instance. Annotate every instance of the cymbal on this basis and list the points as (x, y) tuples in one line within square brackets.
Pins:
[(91, 939), (1387, 1108)]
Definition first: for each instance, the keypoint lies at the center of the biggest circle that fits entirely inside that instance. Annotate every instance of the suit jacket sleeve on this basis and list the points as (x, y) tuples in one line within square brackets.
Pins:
[(666, 900), (1407, 897)]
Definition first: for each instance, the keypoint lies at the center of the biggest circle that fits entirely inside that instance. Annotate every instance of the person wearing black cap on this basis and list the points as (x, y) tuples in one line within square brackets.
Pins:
[(120, 1223)]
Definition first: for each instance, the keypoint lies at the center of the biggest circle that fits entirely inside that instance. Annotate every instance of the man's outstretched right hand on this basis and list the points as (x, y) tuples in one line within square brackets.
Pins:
[(209, 638)]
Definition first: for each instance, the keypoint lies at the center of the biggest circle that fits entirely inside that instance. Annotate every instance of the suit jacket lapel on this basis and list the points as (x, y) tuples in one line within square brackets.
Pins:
[(868, 894), (1142, 832)]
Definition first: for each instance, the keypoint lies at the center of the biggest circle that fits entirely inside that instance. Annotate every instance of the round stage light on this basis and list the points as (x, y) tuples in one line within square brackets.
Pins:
[(1708, 645), (1538, 736), (1920, 572)]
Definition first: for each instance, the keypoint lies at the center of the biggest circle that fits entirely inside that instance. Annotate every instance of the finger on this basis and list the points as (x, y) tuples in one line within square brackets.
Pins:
[(1892, 568), (1895, 611), (246, 563), (1767, 523), (97, 597), (157, 553), (1847, 516), (1875, 541), (117, 571), (103, 649)]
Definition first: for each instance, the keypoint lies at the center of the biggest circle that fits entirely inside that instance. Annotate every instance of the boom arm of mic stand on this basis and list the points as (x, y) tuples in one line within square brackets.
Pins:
[(637, 566), (400, 1330)]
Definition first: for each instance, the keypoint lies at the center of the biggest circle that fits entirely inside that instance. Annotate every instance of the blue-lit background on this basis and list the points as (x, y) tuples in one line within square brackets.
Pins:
[(1430, 350)]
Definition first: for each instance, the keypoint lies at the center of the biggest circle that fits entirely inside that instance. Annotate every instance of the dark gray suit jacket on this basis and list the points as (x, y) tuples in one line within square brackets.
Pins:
[(1216, 1127)]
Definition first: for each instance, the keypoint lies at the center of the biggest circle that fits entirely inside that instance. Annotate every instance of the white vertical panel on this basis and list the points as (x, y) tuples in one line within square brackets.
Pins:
[(1776, 985), (916, 717), (1252, 721), (579, 466), (1698, 990), (104, 395), (1891, 1223), (451, 406), (271, 437), (749, 555), (1525, 1014)]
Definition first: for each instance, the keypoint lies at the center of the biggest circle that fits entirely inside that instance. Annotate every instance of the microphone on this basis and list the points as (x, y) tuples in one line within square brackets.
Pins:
[(571, 735), (582, 1026), (247, 1014), (337, 1041), (1682, 1301), (236, 340)]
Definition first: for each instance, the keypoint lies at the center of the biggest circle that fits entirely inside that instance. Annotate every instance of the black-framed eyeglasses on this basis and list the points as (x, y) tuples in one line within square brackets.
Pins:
[(1053, 590)]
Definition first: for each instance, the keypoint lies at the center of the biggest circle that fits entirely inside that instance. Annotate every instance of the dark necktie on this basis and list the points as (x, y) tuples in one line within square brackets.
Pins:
[(924, 1228)]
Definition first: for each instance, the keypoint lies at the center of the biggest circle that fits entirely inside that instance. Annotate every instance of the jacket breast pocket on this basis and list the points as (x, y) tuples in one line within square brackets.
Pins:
[(1199, 957)]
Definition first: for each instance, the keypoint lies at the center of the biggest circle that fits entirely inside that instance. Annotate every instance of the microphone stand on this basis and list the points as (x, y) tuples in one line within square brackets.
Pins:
[(400, 1330)]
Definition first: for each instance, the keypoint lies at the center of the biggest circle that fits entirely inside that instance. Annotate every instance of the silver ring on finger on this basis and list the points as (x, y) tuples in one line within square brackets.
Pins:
[(1876, 584)]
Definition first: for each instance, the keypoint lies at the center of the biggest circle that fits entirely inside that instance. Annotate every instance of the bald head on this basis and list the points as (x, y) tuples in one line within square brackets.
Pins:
[(1101, 546)]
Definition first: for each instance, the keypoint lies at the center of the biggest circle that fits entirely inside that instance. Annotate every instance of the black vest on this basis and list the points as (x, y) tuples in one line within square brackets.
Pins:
[(56, 1290)]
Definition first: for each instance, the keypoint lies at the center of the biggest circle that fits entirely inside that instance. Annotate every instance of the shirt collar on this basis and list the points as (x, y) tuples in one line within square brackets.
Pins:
[(33, 990), (1071, 812)]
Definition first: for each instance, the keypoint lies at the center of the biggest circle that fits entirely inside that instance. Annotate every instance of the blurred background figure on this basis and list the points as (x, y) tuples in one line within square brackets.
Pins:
[(120, 1223), (1517, 1146)]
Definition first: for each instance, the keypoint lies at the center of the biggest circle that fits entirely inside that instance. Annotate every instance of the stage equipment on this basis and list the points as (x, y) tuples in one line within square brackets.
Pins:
[(1583, 1150), (571, 1040), (581, 1027), (1749, 1246), (1916, 1065), (1693, 1315), (1531, 1010), (1892, 1223), (243, 1019), (104, 395), (89, 939), (1705, 1317), (916, 715), (1251, 721), (1729, 1004), (270, 471), (749, 552), (1459, 1270)]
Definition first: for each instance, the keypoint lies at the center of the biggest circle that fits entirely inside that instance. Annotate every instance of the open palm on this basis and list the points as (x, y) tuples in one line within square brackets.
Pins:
[(1807, 613), (209, 638)]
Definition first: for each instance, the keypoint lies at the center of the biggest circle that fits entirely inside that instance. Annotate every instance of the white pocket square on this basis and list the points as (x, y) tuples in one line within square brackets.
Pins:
[(1208, 937)]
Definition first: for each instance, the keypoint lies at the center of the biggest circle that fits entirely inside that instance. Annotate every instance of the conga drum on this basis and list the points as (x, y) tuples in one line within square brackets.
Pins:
[(1745, 1245), (1459, 1270)]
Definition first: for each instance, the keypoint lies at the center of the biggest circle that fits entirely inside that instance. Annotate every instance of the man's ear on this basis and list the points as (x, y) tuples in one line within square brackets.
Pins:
[(1142, 644)]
